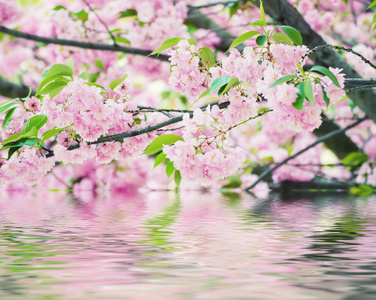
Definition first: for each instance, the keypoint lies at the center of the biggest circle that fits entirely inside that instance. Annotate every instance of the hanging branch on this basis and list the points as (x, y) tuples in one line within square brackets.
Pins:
[(84, 45), (318, 141)]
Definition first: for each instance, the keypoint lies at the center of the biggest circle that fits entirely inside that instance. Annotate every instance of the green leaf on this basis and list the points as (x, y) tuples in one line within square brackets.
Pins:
[(219, 82), (52, 132), (32, 132), (84, 76), (157, 144), (103, 90), (56, 91), (6, 106), (70, 63), (233, 8), (309, 91), (82, 15), (300, 69), (242, 38), (59, 69), (293, 34), (207, 92), (355, 159), (159, 159), (11, 151), (192, 41), (32, 142), (169, 168), (262, 13), (372, 4), (235, 182), (257, 23), (224, 89), (362, 190), (167, 44), (262, 109), (54, 87), (8, 116), (260, 40), (56, 72), (207, 56), (47, 80), (177, 178), (114, 84), (326, 72), (128, 13), (283, 79), (299, 102), (326, 99), (37, 121), (120, 39), (99, 64), (282, 38), (59, 7)]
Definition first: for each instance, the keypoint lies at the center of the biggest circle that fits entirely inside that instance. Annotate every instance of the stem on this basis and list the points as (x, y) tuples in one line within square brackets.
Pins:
[(318, 141), (100, 20)]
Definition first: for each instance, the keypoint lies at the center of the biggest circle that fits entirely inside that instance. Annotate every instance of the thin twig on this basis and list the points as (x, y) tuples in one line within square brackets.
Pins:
[(165, 109), (100, 20), (338, 48), (84, 45), (318, 141), (360, 88), (316, 165), (171, 129), (60, 180)]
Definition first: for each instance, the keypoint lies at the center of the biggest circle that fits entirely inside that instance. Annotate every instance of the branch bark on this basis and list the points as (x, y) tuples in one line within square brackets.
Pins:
[(318, 141), (12, 90), (285, 13), (84, 45)]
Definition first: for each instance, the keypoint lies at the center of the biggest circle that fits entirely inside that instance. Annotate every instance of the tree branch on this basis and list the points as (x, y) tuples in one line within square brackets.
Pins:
[(12, 90), (84, 45), (340, 146), (285, 13), (318, 141), (224, 3), (147, 129)]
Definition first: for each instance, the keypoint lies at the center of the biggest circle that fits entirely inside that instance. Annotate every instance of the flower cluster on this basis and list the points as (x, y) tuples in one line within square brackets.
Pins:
[(186, 75), (27, 166)]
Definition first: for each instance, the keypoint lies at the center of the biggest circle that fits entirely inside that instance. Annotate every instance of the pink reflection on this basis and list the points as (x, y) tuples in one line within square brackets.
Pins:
[(162, 245)]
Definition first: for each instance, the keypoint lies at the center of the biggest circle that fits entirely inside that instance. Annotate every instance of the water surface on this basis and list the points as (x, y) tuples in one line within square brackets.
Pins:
[(161, 245)]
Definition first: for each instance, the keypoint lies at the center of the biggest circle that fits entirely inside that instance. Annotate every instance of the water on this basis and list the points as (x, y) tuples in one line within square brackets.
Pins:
[(160, 245)]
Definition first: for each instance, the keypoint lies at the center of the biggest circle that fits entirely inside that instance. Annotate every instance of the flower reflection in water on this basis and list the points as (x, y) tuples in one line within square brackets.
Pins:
[(188, 246)]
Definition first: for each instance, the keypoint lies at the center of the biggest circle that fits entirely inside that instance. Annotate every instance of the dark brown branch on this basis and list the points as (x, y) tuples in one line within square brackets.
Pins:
[(224, 3), (84, 45), (285, 13), (318, 141), (12, 90)]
